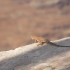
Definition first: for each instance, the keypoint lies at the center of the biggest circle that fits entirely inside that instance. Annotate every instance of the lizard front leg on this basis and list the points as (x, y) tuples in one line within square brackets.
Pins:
[(40, 44), (36, 41)]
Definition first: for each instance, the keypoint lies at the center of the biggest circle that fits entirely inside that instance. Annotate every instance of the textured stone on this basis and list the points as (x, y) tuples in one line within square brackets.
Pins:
[(33, 57)]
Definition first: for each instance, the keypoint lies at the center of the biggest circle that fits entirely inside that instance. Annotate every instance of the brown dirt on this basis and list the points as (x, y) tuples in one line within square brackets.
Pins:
[(19, 19)]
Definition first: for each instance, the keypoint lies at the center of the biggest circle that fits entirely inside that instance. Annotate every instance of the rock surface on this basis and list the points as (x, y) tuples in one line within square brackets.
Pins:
[(33, 57)]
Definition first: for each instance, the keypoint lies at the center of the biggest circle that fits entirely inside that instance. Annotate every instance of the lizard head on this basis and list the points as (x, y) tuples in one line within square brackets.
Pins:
[(32, 37)]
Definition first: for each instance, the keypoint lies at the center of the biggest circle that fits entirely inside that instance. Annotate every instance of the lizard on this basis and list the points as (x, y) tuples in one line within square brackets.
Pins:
[(42, 40)]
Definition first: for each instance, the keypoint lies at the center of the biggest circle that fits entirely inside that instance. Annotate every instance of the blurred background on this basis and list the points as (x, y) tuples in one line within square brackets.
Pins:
[(19, 19)]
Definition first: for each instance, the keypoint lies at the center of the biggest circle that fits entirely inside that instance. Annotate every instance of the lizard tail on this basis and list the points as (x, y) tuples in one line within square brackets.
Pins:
[(56, 44)]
